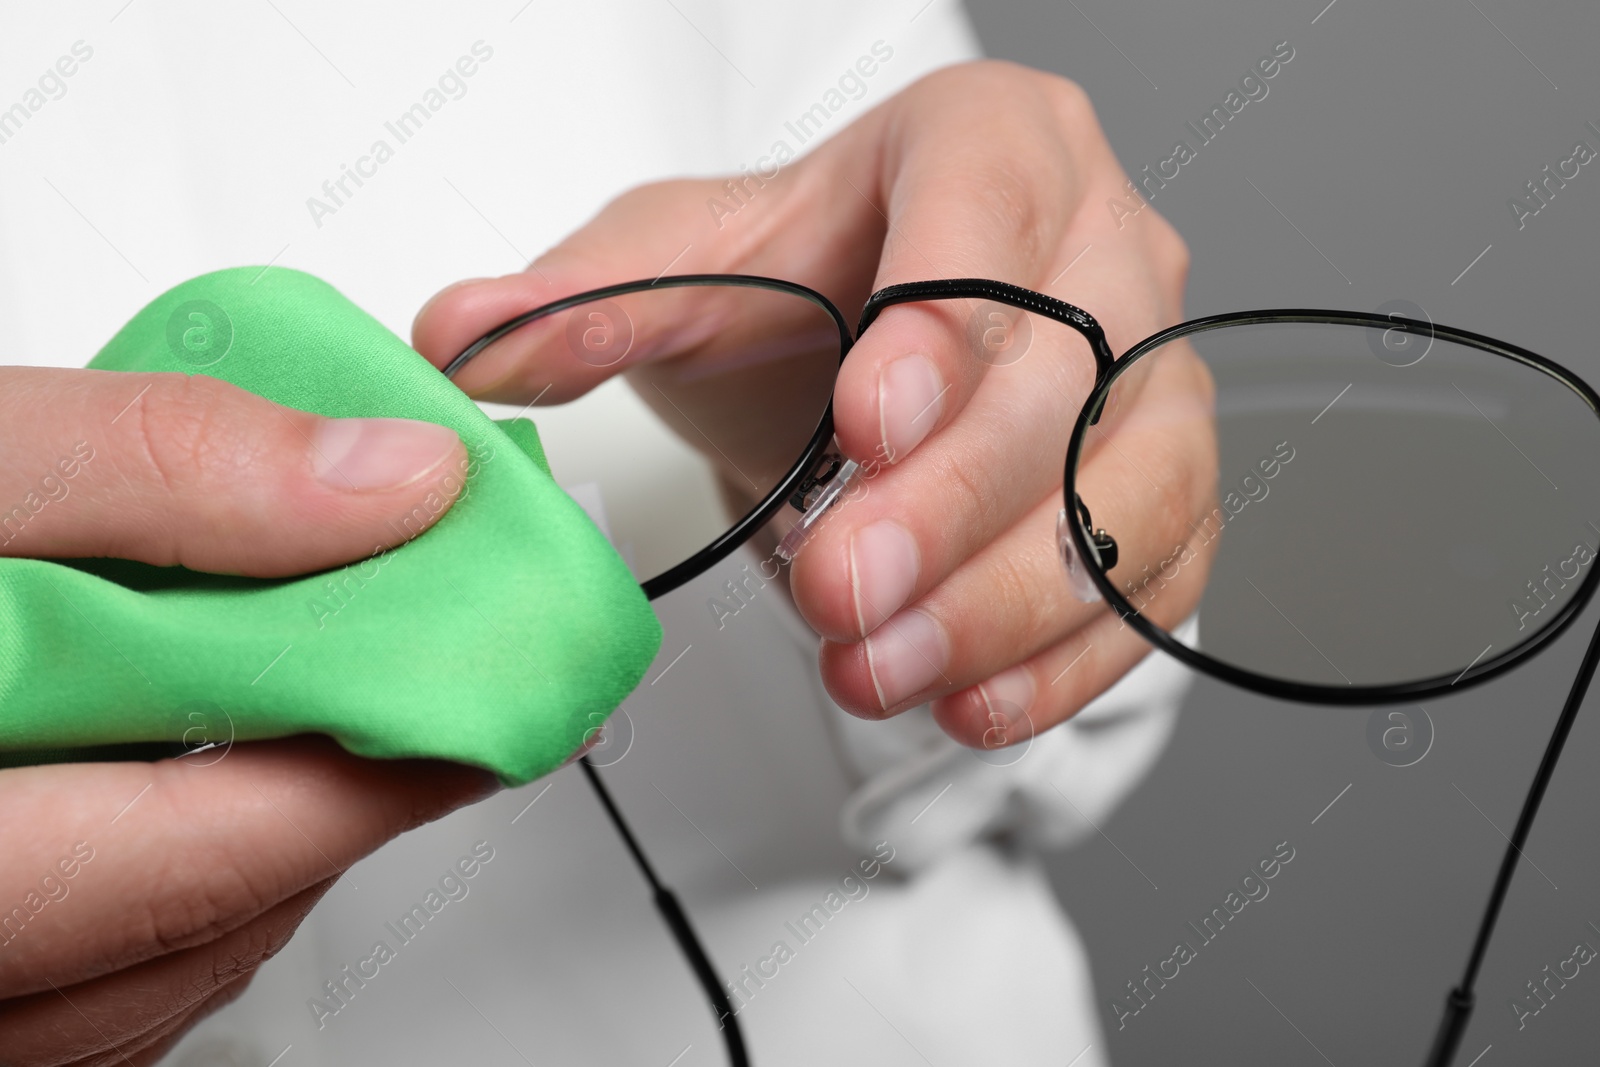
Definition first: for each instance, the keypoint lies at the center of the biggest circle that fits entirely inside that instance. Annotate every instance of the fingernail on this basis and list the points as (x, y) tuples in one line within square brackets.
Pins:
[(1008, 696), (910, 399), (884, 563), (906, 655), (368, 454)]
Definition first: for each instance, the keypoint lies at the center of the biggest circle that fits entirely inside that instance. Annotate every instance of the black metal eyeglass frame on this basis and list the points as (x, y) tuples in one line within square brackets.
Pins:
[(806, 486)]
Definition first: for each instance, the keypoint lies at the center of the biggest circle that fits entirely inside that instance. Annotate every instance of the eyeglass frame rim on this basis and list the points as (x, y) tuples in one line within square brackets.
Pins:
[(667, 905), (1281, 688), (745, 527), (1108, 369)]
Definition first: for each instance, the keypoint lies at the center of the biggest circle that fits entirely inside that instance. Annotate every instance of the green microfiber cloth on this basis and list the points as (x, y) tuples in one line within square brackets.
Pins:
[(497, 638)]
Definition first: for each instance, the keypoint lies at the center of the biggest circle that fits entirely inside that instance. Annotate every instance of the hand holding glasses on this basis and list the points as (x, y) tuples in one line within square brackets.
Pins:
[(1359, 509)]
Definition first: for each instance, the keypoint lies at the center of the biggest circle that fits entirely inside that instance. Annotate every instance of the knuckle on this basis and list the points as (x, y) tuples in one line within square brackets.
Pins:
[(1001, 207), (191, 915), (203, 911), (1072, 112), (212, 899), (1168, 248), (182, 431), (955, 79), (1013, 195), (1012, 583), (1204, 387), (1013, 203), (974, 497), (239, 960), (1172, 512), (963, 78), (1069, 99)]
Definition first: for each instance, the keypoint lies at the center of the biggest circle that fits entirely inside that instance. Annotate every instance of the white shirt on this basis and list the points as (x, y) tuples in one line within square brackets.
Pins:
[(194, 137)]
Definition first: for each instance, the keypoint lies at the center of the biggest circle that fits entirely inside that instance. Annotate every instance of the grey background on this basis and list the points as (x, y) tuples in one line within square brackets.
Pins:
[(1393, 141)]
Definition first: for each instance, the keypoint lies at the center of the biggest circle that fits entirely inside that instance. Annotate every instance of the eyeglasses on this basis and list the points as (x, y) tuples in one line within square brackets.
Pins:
[(1327, 507)]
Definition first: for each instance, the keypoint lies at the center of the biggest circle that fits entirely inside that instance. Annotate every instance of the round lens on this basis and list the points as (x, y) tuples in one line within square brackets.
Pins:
[(670, 412), (1344, 505)]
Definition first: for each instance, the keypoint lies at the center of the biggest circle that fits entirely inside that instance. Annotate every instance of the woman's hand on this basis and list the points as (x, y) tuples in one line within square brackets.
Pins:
[(943, 582), (137, 897)]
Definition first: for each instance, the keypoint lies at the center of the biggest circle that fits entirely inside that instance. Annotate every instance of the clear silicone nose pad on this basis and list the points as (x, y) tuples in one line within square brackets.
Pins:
[(1078, 578), (818, 497)]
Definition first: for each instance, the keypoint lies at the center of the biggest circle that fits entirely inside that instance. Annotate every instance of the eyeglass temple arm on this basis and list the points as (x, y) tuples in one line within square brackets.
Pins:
[(1004, 292), (677, 921), (1459, 1004)]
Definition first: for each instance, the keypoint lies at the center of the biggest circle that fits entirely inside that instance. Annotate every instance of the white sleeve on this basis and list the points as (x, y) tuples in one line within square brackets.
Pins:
[(800, 72)]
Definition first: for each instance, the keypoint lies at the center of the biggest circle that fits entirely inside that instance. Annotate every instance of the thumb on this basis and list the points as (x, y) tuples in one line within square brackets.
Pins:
[(172, 469), (646, 232)]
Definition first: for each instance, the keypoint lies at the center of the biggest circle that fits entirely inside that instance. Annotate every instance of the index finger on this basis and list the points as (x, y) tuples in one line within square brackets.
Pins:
[(963, 190)]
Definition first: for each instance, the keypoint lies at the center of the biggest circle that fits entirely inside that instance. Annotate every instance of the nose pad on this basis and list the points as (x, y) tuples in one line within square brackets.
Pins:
[(1101, 544), (832, 479)]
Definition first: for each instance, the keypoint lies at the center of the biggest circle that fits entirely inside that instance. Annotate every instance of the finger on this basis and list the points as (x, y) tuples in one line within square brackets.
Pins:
[(821, 223), (178, 855), (952, 207), (135, 1009), (916, 522), (1010, 600), (921, 519), (640, 235), (156, 1052), (172, 469), (964, 485), (1043, 690)]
